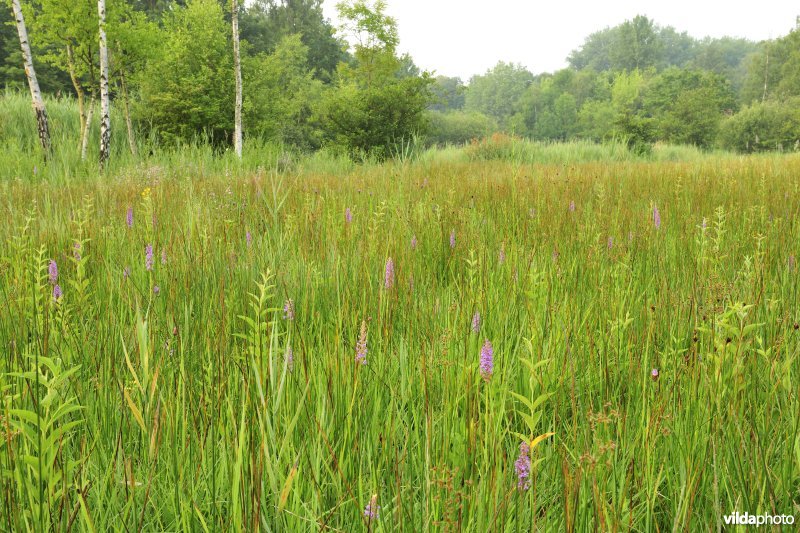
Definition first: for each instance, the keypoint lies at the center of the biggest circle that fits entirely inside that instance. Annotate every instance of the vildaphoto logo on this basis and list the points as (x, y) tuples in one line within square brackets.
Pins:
[(746, 519)]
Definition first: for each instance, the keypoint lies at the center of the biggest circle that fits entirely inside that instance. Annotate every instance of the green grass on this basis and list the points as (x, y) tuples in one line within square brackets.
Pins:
[(127, 409), (21, 158)]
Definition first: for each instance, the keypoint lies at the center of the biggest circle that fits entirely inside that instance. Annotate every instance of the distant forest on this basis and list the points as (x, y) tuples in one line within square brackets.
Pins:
[(306, 87)]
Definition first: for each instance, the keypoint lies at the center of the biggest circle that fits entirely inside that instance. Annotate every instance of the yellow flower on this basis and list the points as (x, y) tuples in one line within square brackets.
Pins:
[(146, 193)]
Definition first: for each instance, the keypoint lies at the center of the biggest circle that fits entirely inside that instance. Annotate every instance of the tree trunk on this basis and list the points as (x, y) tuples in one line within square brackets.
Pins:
[(105, 116), (80, 94), (237, 135), (30, 73), (766, 78), (128, 122), (86, 128)]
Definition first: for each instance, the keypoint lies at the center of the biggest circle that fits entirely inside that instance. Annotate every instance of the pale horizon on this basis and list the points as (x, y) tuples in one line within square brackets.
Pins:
[(540, 37)]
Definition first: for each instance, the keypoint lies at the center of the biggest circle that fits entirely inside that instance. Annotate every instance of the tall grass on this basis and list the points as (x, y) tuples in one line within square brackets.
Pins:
[(21, 158), (166, 399)]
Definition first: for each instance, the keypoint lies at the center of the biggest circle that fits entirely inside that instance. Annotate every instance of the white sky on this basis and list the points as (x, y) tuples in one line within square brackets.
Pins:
[(466, 37)]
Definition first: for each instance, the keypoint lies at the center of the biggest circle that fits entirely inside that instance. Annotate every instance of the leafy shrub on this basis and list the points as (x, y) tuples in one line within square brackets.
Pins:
[(373, 121), (188, 91), (458, 127), (761, 127)]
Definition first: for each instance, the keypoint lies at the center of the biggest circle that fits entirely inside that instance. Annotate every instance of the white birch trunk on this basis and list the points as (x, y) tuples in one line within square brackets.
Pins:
[(30, 73), (105, 117), (237, 134), (87, 128)]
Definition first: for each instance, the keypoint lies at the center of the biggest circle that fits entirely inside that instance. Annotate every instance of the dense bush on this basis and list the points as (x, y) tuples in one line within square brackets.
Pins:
[(764, 126), (279, 93), (186, 92), (373, 121), (458, 127)]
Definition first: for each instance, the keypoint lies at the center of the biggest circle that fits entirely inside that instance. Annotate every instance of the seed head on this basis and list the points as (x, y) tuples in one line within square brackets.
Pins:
[(361, 345), (290, 358), (476, 322), (388, 274)]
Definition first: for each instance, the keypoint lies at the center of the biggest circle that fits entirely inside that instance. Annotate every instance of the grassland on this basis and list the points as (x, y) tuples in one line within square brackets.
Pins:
[(642, 316)]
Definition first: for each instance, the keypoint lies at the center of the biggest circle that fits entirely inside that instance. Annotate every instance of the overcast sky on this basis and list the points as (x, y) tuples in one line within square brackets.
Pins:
[(466, 37)]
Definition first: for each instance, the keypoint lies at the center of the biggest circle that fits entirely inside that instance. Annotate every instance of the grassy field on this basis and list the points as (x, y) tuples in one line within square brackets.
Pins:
[(375, 347)]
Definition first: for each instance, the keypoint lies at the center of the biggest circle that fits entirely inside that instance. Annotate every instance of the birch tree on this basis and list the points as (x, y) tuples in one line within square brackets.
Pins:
[(67, 32), (30, 73), (237, 66), (105, 118)]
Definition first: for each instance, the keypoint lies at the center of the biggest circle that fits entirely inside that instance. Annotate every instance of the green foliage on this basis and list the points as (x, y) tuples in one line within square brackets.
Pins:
[(640, 43), (637, 82), (774, 71), (637, 46), (499, 92), (726, 56), (373, 30), (373, 121), (186, 92), (637, 43), (458, 127), (630, 124), (550, 109), (266, 23), (595, 119), (66, 36), (759, 127), (687, 106), (447, 94), (378, 103), (560, 121), (12, 74), (280, 92)]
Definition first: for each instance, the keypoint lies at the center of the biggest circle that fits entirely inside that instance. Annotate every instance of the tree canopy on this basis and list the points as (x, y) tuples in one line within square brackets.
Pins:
[(309, 85)]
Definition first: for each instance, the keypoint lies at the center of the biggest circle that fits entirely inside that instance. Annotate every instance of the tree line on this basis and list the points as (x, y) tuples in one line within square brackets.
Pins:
[(221, 72), (640, 83)]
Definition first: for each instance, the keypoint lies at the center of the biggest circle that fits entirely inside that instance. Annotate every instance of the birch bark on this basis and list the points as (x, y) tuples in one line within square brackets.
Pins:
[(105, 104), (36, 95), (237, 135)]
